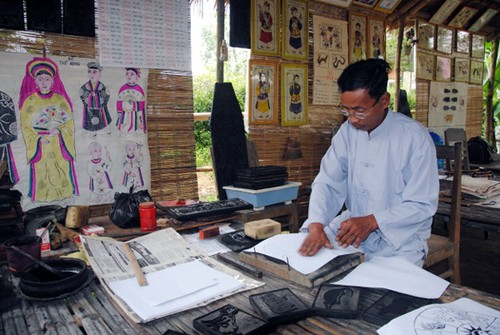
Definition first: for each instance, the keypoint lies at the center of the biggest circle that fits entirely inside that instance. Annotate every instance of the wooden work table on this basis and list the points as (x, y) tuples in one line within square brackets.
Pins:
[(481, 217), (91, 311)]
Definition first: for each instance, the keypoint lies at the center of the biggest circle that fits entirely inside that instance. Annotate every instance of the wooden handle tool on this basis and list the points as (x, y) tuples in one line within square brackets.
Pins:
[(141, 279)]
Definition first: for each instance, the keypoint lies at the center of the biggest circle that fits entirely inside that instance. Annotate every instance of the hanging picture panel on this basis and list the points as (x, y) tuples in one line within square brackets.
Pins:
[(79, 18), (11, 14), (239, 24), (44, 15)]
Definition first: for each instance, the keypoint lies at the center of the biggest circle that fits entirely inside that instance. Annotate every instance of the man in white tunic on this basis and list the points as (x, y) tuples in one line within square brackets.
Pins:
[(382, 166)]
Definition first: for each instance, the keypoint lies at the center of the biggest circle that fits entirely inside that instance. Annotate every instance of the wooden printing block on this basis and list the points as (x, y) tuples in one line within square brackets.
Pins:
[(230, 319), (391, 305), (237, 240), (279, 306), (337, 301), (336, 267)]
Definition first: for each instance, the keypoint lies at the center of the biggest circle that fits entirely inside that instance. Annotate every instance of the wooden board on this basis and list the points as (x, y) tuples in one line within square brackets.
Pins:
[(334, 268)]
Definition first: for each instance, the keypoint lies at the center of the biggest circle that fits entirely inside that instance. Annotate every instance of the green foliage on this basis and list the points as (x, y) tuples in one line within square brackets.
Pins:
[(202, 102), (412, 99), (496, 82)]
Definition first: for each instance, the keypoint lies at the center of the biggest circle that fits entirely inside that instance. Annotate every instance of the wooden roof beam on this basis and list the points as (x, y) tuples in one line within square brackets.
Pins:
[(409, 9)]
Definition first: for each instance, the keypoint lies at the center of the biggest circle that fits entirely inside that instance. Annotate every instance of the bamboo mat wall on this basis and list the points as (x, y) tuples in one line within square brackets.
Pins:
[(169, 113)]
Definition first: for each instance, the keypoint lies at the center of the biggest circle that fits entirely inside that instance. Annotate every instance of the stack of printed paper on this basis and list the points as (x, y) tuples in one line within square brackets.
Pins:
[(481, 188)]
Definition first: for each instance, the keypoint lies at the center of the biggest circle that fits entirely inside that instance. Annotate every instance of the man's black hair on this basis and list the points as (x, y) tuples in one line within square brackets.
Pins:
[(370, 74)]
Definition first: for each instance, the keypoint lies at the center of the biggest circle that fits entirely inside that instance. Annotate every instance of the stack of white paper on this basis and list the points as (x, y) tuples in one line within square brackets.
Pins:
[(174, 289)]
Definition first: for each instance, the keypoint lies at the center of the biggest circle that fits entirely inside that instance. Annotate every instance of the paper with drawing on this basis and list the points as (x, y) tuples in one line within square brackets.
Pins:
[(463, 316)]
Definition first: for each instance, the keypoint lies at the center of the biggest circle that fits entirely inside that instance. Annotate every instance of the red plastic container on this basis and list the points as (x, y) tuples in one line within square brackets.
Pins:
[(147, 215)]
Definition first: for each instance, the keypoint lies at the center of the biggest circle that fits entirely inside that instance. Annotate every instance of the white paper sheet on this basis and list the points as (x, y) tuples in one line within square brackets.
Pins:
[(199, 283), (168, 284), (286, 248), (463, 316), (210, 246), (396, 274)]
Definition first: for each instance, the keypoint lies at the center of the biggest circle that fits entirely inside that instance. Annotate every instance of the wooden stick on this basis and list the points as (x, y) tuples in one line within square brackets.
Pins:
[(141, 279)]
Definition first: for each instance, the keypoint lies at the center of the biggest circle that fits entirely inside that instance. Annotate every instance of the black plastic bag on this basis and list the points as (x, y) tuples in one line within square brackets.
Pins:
[(125, 210), (480, 151)]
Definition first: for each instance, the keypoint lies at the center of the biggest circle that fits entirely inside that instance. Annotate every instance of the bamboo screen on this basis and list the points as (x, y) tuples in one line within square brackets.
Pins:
[(169, 113)]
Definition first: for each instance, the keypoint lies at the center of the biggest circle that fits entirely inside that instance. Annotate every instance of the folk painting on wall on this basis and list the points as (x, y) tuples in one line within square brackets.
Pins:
[(295, 30), (264, 21), (294, 94), (263, 88), (357, 37), (376, 38)]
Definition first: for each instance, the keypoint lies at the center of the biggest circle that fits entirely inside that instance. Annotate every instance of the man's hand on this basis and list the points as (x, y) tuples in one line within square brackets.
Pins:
[(315, 240), (355, 230)]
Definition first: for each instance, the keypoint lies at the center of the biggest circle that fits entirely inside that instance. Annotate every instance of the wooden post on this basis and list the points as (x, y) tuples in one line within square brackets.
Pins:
[(397, 66), (220, 37), (490, 118)]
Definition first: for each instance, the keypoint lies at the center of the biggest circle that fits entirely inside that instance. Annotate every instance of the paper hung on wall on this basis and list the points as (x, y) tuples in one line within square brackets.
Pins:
[(447, 106), (330, 58), (81, 129)]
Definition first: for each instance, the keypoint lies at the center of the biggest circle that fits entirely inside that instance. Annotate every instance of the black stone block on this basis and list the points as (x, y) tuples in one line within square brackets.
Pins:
[(336, 301), (279, 306), (237, 240), (230, 320)]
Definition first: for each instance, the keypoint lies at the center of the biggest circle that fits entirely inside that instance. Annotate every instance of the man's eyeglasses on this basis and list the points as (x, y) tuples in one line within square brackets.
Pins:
[(358, 112)]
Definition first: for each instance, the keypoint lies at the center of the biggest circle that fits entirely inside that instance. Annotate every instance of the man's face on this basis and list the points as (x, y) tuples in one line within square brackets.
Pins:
[(94, 74), (360, 100)]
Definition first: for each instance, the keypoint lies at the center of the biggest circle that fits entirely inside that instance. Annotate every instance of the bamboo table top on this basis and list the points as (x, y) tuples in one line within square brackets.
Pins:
[(91, 311)]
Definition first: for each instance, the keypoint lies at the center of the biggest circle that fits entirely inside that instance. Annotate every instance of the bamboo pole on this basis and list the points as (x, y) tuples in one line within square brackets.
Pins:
[(490, 118), (220, 37), (397, 67)]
